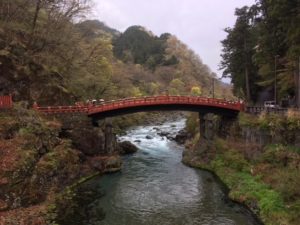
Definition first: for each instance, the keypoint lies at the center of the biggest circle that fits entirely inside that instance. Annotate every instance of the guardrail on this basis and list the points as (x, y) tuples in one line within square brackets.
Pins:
[(261, 109)]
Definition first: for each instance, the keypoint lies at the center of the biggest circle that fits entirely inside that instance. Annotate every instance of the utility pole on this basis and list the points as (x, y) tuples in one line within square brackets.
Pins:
[(213, 87), (275, 81), (298, 99)]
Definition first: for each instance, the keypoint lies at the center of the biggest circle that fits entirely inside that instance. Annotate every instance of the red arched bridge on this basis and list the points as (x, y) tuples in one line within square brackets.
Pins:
[(155, 103)]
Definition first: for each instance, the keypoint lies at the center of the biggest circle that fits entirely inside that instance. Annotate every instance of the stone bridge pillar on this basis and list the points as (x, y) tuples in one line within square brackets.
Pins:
[(207, 126), (202, 124), (225, 126)]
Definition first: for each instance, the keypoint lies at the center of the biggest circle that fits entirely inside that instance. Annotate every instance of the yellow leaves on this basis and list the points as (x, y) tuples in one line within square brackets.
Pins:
[(176, 83), (176, 87), (154, 88), (196, 90), (136, 92)]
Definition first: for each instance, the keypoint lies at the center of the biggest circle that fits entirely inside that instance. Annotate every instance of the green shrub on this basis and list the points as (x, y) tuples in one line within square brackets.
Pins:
[(287, 182), (25, 165), (247, 120), (231, 166), (192, 124), (235, 160)]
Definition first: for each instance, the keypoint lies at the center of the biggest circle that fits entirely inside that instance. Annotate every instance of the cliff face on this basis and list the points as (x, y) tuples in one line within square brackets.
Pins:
[(39, 160)]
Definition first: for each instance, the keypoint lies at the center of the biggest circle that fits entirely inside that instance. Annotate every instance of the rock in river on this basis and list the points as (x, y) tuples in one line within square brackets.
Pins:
[(126, 147), (164, 134), (181, 137), (113, 164)]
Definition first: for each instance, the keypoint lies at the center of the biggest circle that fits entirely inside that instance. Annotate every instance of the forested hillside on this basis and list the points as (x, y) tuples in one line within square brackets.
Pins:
[(261, 53), (50, 54)]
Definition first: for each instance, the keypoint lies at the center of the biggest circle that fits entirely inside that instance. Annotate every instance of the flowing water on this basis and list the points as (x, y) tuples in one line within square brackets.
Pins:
[(155, 188)]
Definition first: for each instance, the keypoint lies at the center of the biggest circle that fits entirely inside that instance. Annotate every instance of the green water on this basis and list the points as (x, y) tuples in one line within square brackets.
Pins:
[(155, 188)]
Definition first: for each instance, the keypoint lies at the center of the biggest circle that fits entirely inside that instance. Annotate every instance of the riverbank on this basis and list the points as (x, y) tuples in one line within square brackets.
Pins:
[(41, 163), (42, 160), (263, 176)]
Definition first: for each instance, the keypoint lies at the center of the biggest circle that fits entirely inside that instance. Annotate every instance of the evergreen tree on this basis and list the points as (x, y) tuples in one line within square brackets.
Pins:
[(262, 50), (238, 49)]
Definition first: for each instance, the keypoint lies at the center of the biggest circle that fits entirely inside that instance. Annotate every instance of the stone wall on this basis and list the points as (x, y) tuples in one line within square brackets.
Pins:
[(256, 133), (263, 137)]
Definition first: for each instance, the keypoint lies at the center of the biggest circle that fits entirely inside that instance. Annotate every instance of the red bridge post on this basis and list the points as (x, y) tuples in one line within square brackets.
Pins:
[(6, 102)]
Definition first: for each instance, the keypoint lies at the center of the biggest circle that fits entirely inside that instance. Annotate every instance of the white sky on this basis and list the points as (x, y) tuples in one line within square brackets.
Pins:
[(197, 23)]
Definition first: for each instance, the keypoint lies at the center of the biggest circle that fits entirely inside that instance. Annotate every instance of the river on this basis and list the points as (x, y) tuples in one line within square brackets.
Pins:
[(155, 188)]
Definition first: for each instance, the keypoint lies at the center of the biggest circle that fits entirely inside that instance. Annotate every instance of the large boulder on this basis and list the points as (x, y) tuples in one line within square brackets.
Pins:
[(126, 147), (97, 163), (181, 137), (113, 164), (106, 164)]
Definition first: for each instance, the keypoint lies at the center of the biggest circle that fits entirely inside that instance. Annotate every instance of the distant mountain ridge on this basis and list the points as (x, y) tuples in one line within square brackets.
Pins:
[(141, 46), (94, 28)]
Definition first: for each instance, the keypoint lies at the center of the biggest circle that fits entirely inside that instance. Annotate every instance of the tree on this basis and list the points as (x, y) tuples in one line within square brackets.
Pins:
[(176, 87), (264, 42), (196, 90), (279, 44), (43, 45), (154, 88), (238, 49), (136, 92), (190, 68)]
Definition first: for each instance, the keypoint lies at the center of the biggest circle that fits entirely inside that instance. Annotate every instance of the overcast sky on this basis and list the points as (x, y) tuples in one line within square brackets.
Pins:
[(198, 23)]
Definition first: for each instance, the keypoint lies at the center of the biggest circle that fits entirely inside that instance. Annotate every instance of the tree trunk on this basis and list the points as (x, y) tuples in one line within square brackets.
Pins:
[(36, 14), (298, 85), (248, 94)]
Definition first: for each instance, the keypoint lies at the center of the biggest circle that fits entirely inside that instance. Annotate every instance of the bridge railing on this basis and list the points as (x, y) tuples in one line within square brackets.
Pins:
[(62, 109), (167, 100), (139, 101), (262, 109)]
